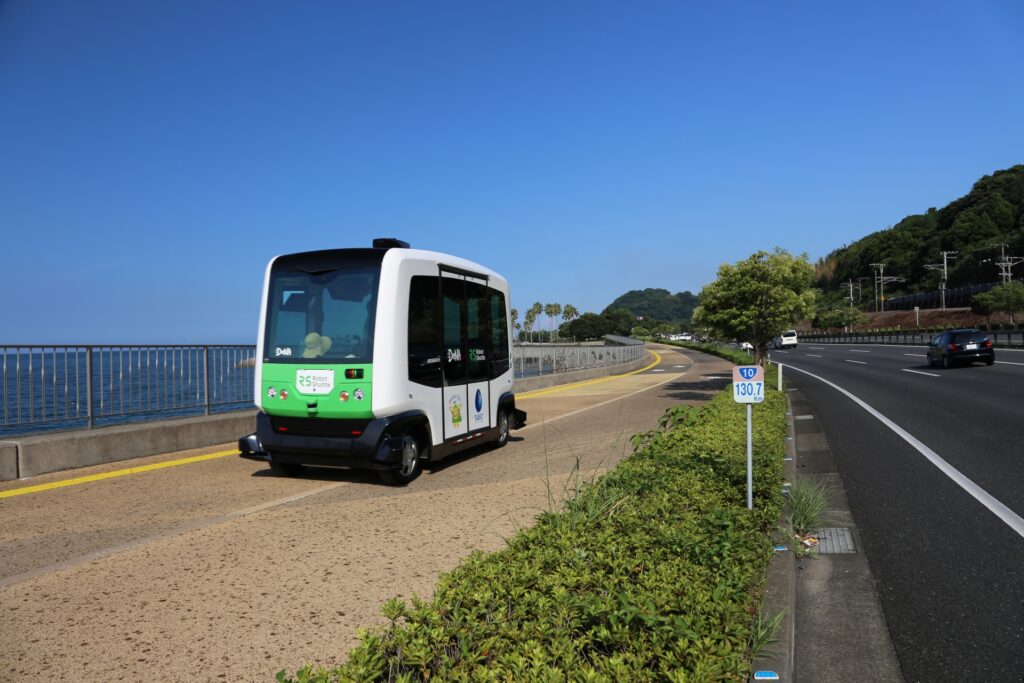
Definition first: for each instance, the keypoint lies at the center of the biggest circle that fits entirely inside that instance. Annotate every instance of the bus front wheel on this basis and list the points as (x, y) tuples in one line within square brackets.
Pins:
[(408, 468)]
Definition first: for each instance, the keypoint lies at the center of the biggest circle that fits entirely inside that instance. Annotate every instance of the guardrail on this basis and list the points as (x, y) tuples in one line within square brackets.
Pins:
[(79, 386), (84, 386), (531, 360), (1003, 338)]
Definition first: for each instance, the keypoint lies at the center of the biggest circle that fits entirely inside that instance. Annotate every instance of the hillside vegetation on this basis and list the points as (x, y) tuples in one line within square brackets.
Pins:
[(656, 305), (974, 226)]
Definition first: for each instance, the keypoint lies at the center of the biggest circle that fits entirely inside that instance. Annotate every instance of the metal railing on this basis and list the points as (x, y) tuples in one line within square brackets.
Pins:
[(49, 388), (531, 360), (82, 386), (1004, 338)]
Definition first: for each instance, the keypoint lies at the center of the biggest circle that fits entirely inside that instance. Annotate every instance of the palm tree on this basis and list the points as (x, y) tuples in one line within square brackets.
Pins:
[(531, 315), (552, 311), (569, 313)]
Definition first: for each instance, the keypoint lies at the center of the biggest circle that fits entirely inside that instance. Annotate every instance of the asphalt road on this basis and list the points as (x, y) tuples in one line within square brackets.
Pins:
[(948, 564), (218, 570)]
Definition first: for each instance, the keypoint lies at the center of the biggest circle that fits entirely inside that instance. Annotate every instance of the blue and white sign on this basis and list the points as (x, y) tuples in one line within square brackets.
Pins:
[(748, 384)]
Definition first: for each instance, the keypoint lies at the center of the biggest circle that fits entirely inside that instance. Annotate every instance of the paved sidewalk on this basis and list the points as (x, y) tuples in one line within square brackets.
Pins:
[(834, 628)]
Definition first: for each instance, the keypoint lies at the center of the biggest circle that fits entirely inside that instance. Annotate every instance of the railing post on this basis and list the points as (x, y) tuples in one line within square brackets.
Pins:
[(90, 418), (206, 379)]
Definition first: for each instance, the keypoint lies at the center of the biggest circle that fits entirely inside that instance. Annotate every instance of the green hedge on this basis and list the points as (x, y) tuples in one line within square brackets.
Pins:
[(652, 573)]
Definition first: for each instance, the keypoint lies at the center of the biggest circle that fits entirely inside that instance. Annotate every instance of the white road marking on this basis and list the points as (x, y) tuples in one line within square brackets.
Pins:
[(858, 362), (814, 355), (817, 348), (1006, 362), (779, 351), (916, 355), (1011, 518), (658, 370), (918, 372), (858, 351)]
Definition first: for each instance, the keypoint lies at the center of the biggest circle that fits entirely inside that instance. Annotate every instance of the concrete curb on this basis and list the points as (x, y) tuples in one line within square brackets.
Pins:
[(778, 660)]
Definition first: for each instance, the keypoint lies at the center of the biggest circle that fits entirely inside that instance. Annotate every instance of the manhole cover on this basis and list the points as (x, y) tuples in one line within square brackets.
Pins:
[(834, 540)]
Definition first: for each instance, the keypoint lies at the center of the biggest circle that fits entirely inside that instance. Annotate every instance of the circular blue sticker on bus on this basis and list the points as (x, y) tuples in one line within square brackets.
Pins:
[(479, 401)]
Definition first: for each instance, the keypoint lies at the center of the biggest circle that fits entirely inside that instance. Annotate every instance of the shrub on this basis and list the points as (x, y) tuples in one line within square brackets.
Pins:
[(652, 572)]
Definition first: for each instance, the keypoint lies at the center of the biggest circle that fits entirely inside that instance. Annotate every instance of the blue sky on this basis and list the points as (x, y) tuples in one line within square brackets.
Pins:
[(154, 156)]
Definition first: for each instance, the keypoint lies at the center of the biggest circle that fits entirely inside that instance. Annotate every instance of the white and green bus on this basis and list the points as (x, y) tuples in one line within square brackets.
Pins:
[(384, 358)]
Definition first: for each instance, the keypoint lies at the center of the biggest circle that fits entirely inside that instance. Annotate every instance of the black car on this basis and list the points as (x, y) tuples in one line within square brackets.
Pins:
[(961, 346)]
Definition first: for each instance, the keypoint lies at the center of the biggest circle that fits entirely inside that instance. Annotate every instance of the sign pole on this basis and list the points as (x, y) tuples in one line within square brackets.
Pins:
[(750, 458), (748, 387)]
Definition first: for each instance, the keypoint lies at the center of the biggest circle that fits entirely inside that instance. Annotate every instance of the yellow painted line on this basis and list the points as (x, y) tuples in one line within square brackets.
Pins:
[(564, 387), (116, 473)]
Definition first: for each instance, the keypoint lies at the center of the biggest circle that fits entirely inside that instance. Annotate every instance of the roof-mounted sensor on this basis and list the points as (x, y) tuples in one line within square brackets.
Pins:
[(389, 243)]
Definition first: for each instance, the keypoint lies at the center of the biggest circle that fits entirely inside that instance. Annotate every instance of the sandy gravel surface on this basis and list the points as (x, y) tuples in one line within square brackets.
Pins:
[(238, 596)]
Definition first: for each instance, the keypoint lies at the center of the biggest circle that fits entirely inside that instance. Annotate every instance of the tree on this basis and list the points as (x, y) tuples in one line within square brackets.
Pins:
[(587, 326), (756, 299), (1008, 298), (569, 313), (552, 311), (532, 314), (984, 303), (619, 321)]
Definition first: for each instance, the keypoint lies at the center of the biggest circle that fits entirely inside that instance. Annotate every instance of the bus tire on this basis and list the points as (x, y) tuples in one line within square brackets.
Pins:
[(410, 466), (285, 469), (504, 424)]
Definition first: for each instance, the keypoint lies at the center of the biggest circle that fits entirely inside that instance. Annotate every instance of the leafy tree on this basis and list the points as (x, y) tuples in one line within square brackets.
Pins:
[(756, 299), (619, 321), (587, 326), (1008, 298), (984, 303), (569, 313)]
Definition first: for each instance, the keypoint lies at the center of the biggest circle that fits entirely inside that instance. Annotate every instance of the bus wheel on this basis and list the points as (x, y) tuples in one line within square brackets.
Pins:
[(408, 469), (503, 424), (285, 469)]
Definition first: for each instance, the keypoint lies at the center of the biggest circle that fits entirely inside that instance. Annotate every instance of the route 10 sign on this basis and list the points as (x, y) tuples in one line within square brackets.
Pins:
[(748, 384)]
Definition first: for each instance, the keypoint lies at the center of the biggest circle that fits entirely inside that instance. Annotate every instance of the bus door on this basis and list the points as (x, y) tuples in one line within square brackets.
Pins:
[(465, 354)]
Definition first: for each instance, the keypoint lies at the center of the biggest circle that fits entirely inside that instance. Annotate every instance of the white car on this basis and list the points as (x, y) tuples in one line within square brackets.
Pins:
[(787, 340)]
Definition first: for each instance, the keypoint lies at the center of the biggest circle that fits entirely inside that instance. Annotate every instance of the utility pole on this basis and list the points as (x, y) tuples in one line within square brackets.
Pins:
[(942, 283), (879, 269), (880, 281), (1006, 264)]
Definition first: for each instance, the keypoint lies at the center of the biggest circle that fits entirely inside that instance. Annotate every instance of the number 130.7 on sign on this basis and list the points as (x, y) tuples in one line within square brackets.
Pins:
[(748, 384)]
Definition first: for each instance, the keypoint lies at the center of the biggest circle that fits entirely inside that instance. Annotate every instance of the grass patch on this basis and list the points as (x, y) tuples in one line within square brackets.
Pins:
[(807, 503)]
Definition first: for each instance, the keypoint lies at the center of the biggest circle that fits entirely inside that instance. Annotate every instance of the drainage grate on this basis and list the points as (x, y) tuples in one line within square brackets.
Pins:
[(834, 540)]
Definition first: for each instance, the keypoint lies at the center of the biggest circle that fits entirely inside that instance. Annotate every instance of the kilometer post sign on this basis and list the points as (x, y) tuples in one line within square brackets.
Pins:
[(748, 387), (748, 384)]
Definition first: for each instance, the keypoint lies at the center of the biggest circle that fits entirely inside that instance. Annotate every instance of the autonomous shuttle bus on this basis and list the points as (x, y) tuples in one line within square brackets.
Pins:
[(382, 359)]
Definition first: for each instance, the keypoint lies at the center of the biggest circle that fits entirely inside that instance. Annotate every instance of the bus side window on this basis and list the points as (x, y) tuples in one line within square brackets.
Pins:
[(425, 331), (478, 315), (499, 334)]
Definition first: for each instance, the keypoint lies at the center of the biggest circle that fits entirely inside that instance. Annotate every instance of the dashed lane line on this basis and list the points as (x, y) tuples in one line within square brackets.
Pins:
[(858, 362), (918, 372)]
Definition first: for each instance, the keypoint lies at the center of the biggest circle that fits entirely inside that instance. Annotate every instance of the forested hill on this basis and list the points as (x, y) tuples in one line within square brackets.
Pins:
[(974, 225), (657, 304)]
